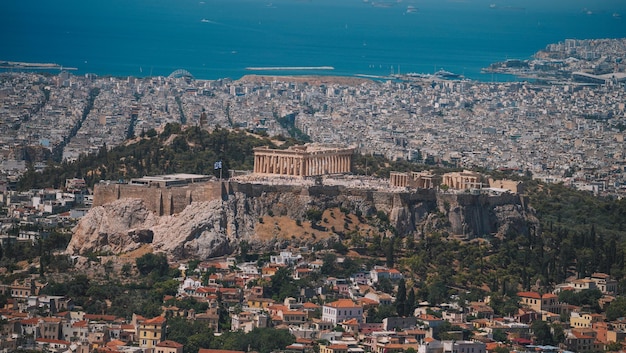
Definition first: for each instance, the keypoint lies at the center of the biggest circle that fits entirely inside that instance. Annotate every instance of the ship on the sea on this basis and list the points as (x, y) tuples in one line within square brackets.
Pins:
[(447, 75)]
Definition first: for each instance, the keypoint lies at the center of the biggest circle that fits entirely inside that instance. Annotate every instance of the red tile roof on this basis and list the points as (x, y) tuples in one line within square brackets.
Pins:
[(33, 321), (159, 320), (533, 295), (96, 317), (343, 303), (169, 344)]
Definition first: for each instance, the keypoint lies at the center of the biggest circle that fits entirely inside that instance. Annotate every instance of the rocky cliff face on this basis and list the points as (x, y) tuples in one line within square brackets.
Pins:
[(214, 228)]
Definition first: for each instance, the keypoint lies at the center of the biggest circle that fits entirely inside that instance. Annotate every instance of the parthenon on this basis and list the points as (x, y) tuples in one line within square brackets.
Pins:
[(303, 161)]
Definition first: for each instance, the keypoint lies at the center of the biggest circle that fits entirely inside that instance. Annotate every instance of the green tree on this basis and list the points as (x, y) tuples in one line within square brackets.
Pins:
[(382, 312), (499, 335), (401, 298), (616, 309), (152, 263), (410, 303), (542, 333)]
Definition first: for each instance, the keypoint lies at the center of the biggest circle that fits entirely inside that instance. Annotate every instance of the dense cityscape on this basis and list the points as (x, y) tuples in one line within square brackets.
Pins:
[(570, 132), (365, 287)]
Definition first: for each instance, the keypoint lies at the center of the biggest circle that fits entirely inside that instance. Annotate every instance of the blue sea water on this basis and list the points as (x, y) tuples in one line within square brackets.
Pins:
[(219, 38)]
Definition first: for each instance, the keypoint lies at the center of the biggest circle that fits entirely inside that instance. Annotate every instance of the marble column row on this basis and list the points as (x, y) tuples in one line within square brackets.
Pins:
[(301, 165)]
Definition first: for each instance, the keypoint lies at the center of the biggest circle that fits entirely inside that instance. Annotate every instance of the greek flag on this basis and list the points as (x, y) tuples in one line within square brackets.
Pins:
[(217, 165)]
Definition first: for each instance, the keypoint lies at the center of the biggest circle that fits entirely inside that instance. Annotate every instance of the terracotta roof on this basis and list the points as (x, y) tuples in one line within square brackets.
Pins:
[(33, 321), (343, 303), (600, 275), (368, 301), (352, 321), (83, 323), (155, 321), (206, 290), (99, 317), (338, 346), (169, 344), (51, 319), (533, 295), (294, 312), (581, 335), (492, 345), (115, 343), (429, 317)]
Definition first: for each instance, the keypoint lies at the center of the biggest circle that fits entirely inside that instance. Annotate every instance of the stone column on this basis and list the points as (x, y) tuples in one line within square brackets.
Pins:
[(262, 163), (277, 165), (305, 169)]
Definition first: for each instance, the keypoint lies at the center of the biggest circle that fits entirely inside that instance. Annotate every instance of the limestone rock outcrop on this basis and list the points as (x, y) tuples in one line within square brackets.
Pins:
[(217, 227), (112, 228)]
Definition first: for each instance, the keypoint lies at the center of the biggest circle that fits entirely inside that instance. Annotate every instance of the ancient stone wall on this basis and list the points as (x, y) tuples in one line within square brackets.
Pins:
[(468, 214), (162, 201)]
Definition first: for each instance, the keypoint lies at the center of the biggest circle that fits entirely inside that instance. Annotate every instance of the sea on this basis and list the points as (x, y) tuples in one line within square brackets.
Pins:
[(215, 39)]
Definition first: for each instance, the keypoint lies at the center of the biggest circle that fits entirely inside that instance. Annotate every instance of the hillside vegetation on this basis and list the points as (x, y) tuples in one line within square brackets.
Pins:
[(579, 233), (177, 150)]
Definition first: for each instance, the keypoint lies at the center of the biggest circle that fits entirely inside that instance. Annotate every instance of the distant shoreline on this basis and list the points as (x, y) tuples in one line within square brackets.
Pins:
[(311, 79), (289, 68), (32, 66)]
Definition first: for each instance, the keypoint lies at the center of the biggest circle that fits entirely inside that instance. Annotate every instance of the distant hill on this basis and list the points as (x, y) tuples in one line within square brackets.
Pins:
[(181, 150), (172, 150)]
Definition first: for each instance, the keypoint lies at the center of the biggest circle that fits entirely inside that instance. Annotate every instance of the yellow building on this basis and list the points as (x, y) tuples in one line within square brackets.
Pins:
[(151, 332), (578, 320), (258, 303), (546, 302)]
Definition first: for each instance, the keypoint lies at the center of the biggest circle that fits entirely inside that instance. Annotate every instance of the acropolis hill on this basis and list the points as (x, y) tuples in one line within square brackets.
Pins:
[(188, 215)]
